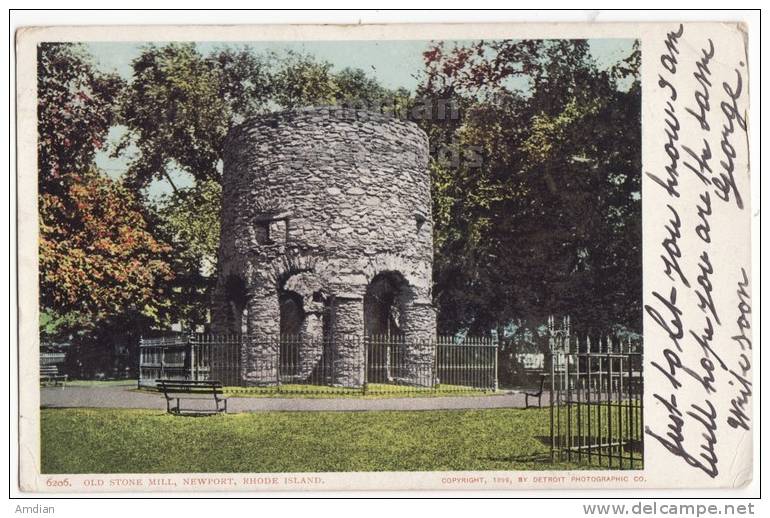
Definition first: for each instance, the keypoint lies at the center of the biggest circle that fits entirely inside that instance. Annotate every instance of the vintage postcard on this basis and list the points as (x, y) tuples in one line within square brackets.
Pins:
[(496, 256)]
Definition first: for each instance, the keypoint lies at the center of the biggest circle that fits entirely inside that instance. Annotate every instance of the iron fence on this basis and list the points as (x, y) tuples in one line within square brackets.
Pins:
[(47, 358), (306, 364), (596, 402)]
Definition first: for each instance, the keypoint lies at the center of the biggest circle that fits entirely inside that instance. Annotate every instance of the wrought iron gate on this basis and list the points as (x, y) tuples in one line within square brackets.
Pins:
[(596, 396)]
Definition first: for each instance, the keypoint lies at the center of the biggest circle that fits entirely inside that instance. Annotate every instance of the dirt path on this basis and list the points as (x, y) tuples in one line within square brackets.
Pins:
[(125, 396)]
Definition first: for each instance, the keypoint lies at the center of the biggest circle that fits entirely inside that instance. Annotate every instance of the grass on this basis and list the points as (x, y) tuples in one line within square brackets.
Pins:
[(82, 440)]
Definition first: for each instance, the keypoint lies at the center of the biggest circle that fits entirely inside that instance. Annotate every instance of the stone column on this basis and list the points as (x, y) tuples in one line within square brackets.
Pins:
[(419, 331), (311, 348), (348, 347), (260, 359)]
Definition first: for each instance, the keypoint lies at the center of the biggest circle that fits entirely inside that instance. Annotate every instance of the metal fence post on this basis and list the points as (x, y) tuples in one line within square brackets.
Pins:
[(364, 387), (434, 371), (553, 381), (191, 349), (141, 362), (496, 353), (162, 362), (277, 363)]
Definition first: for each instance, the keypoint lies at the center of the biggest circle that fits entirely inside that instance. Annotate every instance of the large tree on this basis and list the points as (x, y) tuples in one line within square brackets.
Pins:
[(98, 260), (549, 220)]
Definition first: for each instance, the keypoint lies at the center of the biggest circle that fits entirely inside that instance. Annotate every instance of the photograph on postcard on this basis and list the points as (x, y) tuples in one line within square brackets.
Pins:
[(274, 260)]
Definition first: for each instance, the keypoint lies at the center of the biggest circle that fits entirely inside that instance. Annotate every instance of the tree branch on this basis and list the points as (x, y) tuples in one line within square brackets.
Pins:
[(173, 186)]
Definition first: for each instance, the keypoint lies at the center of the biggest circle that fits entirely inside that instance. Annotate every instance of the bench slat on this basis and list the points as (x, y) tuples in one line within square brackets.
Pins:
[(186, 382), (191, 389)]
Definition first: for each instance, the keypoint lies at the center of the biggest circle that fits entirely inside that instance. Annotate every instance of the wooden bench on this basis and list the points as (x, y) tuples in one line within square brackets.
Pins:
[(537, 394), (49, 374), (177, 390)]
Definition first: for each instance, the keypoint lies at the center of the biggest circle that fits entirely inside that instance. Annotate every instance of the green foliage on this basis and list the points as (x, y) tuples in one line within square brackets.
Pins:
[(300, 81), (55, 326), (181, 103), (75, 108), (550, 223), (175, 112), (189, 221)]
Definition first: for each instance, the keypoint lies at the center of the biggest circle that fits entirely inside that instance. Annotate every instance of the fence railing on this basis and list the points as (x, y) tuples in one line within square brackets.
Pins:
[(306, 364), (596, 404)]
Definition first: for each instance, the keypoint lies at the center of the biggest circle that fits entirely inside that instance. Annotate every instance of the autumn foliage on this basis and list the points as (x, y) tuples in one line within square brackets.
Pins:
[(97, 257)]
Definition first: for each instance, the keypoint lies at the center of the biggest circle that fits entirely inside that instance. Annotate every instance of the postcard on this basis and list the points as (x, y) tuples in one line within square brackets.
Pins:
[(450, 256)]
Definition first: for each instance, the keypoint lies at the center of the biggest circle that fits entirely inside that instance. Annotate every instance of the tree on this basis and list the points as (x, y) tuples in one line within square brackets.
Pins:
[(189, 221), (181, 103), (550, 220), (98, 261), (75, 110)]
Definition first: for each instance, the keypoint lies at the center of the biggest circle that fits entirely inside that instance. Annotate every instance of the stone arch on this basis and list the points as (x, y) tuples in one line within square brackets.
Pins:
[(301, 300), (292, 322), (308, 292)]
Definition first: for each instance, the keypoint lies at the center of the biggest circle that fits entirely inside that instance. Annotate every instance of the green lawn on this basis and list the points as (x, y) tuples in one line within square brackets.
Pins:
[(147, 441)]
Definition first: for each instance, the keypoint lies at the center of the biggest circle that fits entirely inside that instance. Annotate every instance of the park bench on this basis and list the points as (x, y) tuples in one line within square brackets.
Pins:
[(49, 374), (536, 394), (177, 390)]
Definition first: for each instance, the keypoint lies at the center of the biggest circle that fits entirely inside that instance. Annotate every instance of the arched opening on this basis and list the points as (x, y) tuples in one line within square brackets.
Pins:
[(383, 310), (236, 299), (292, 313), (292, 319), (383, 304)]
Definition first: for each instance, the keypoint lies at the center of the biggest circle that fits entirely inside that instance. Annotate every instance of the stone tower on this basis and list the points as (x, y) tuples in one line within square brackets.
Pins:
[(326, 232)]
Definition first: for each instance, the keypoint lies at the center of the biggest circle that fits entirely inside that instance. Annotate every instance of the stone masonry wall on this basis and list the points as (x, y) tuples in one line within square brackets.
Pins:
[(319, 202)]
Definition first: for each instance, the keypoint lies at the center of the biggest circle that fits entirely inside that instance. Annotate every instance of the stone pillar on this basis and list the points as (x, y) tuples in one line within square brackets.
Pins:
[(311, 348), (419, 332), (260, 359), (348, 345)]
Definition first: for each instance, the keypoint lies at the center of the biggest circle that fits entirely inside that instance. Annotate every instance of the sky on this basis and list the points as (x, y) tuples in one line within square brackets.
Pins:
[(394, 64)]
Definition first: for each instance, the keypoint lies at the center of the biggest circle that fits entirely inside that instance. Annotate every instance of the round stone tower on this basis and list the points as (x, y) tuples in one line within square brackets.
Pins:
[(326, 234)]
